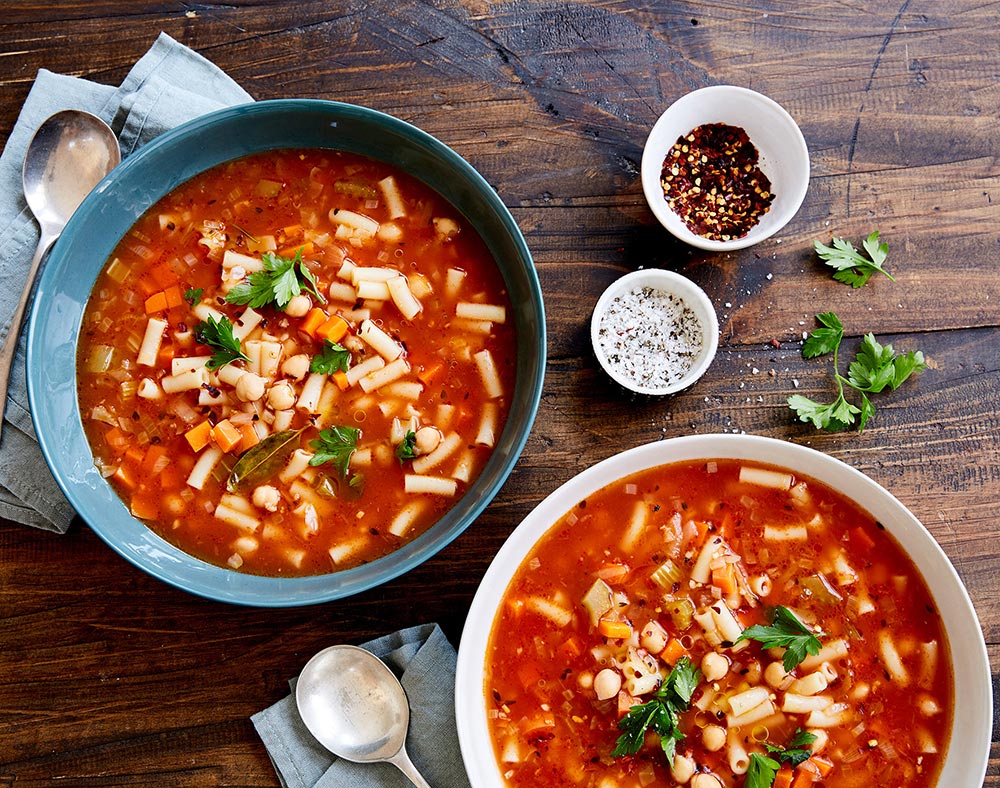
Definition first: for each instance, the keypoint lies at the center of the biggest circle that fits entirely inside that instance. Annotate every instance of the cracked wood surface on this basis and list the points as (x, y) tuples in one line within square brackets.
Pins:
[(112, 678)]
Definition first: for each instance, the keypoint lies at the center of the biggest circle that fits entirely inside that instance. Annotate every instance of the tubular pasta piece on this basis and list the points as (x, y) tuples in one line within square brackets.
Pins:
[(429, 485), (763, 477), (376, 291), (311, 391), (186, 381), (453, 282), (366, 367), (488, 372), (151, 341), (444, 450), (297, 463), (406, 517), (236, 518), (393, 199), (636, 526), (246, 323), (486, 312), (203, 468), (790, 533), (187, 363), (407, 304), (736, 753), (486, 436), (379, 341), (387, 374), (891, 659), (557, 614)]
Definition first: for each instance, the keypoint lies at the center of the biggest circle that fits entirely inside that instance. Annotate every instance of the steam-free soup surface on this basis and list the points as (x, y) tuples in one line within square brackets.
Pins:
[(718, 624), (296, 362)]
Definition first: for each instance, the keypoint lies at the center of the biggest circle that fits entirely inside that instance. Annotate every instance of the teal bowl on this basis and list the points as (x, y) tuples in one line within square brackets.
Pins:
[(111, 210)]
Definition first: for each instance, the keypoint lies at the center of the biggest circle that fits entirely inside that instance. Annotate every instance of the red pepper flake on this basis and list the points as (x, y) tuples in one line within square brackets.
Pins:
[(711, 180)]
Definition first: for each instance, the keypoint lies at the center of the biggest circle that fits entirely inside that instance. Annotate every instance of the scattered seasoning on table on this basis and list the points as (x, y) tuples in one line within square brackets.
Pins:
[(650, 337), (711, 180)]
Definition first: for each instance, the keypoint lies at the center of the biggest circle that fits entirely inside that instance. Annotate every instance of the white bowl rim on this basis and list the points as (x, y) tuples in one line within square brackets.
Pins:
[(969, 747), (652, 161), (691, 294)]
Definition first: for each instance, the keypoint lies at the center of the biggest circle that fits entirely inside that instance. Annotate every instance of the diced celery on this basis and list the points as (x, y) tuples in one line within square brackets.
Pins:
[(666, 575), (100, 358), (266, 188)]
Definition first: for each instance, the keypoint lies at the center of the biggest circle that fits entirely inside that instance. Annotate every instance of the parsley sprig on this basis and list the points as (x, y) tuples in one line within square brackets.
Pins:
[(331, 358), (874, 368), (218, 335), (281, 280), (787, 632), (851, 266), (336, 445), (661, 714), (762, 769), (406, 449)]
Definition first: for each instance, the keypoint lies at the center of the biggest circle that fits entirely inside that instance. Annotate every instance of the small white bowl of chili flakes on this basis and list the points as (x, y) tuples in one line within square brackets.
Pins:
[(654, 332), (724, 168)]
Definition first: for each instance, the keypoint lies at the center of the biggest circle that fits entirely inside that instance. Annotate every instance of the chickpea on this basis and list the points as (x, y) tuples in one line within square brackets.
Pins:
[(427, 440), (250, 387), (281, 396), (174, 505), (682, 769), (705, 781), (298, 306), (607, 683), (585, 680), (775, 675), (713, 737), (714, 666), (296, 367), (266, 497)]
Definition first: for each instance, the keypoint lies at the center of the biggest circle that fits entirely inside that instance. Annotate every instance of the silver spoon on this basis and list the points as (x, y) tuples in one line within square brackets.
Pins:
[(355, 707), (68, 156)]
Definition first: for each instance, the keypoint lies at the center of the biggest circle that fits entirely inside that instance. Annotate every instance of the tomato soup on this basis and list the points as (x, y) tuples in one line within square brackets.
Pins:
[(295, 362), (718, 624)]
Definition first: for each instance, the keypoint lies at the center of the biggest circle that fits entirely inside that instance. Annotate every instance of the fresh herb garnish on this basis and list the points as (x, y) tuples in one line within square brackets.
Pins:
[(785, 631), (193, 295), (218, 335), (851, 266), (331, 358), (796, 751), (406, 449), (281, 280), (874, 367), (761, 771), (335, 445), (661, 714)]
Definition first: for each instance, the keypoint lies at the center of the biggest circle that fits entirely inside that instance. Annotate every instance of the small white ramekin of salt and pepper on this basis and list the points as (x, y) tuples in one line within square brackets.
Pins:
[(654, 332)]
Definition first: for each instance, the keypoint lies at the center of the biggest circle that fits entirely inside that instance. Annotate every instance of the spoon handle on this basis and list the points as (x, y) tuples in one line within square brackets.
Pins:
[(10, 343), (402, 762)]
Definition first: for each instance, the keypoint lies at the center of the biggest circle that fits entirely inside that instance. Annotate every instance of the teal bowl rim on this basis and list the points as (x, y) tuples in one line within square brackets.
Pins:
[(51, 356)]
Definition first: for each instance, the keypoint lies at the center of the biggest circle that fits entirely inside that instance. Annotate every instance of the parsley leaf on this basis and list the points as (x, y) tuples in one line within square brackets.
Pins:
[(193, 295), (796, 751), (824, 340), (281, 280), (406, 449), (761, 771), (877, 366), (661, 714), (336, 445), (851, 266), (785, 631), (218, 335), (838, 415), (331, 358)]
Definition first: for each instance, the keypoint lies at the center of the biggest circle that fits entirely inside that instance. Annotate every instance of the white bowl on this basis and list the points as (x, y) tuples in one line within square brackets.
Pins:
[(685, 290), (969, 747), (784, 157)]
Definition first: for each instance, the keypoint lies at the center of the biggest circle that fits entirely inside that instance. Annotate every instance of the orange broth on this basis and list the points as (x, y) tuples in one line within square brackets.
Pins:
[(407, 299), (690, 555)]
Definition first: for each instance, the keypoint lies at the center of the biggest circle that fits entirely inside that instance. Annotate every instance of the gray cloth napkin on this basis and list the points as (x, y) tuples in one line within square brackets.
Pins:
[(168, 86), (424, 661)]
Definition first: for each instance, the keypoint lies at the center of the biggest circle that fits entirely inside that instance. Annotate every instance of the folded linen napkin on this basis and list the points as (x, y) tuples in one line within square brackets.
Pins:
[(424, 661), (169, 85)]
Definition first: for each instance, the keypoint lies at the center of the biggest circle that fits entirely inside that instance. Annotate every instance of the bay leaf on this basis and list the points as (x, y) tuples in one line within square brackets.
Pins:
[(260, 463)]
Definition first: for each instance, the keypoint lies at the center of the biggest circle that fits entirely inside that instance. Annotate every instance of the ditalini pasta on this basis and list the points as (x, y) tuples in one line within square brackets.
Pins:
[(295, 362), (808, 647)]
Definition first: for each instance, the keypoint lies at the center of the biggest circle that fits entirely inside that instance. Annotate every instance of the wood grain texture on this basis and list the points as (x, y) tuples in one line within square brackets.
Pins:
[(112, 678)]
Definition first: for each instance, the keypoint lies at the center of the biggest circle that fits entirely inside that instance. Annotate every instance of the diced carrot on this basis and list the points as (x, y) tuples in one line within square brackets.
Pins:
[(156, 303), (823, 765), (174, 297), (199, 436), (126, 475), (172, 477), (625, 703), (226, 435), (673, 651), (862, 539), (724, 578), (115, 438), (571, 648), (783, 779), (528, 674), (617, 630), (333, 329), (313, 320), (163, 275), (613, 573), (165, 355), (135, 454), (804, 778), (428, 374), (250, 436), (340, 378), (292, 230), (144, 508), (154, 456), (290, 251)]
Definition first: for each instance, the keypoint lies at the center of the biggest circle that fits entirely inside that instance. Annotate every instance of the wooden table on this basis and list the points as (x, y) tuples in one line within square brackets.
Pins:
[(108, 677)]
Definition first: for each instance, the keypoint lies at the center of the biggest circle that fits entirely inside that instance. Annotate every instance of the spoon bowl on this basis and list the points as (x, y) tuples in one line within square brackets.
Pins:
[(68, 156), (354, 706)]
